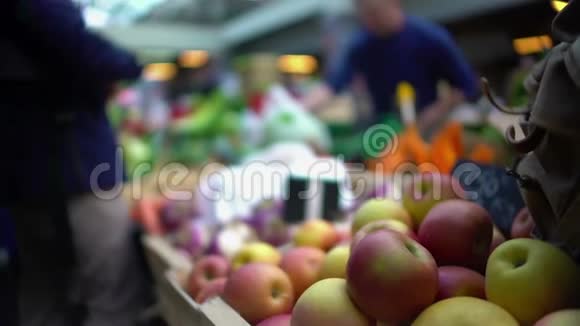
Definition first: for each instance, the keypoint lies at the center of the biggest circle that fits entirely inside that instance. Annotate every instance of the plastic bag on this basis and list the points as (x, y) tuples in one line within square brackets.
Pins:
[(285, 120)]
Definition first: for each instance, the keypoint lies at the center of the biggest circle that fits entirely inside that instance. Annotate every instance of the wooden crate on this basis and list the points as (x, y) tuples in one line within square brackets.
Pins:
[(162, 257), (170, 269), (180, 310)]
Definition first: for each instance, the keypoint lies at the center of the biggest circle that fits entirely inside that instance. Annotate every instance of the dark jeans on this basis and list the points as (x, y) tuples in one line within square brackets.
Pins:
[(8, 294), (84, 264)]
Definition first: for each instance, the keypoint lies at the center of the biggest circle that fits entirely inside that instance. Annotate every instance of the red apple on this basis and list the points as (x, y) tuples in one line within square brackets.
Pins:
[(523, 225), (392, 225), (391, 277), (269, 225), (193, 237), (425, 191), (147, 211), (460, 282), (344, 236), (497, 240), (302, 266), (282, 320), (206, 270), (174, 213), (458, 233), (316, 233), (211, 290), (259, 291)]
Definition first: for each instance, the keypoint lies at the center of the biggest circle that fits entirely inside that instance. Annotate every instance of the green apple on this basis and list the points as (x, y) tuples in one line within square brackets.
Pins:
[(137, 152), (327, 303), (465, 311), (530, 279), (380, 210), (334, 264), (257, 252)]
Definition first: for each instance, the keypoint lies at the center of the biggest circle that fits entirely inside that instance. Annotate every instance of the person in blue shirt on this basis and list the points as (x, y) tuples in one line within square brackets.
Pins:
[(392, 47), (77, 259)]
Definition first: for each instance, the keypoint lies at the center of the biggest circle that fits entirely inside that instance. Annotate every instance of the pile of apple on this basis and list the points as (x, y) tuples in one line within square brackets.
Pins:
[(183, 225), (419, 262)]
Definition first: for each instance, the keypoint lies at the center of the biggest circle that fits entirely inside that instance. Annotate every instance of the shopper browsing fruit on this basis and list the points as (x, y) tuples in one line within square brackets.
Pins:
[(76, 251), (392, 47)]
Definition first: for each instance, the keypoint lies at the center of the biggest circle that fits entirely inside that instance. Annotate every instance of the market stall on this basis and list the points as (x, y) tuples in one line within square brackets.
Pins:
[(281, 177), (436, 223)]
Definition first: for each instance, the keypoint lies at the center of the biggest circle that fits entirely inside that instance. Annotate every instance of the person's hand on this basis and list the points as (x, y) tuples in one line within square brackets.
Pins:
[(439, 110), (317, 98), (432, 115)]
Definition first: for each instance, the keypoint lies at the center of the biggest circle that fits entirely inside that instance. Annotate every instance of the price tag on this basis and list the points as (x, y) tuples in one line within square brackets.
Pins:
[(492, 188), (295, 204), (312, 199)]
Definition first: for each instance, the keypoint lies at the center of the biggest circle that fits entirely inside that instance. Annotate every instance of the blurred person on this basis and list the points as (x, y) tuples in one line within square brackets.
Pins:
[(78, 262), (7, 268), (392, 47), (516, 93)]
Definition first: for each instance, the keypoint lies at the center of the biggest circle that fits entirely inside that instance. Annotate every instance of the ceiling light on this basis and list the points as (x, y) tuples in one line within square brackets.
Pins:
[(532, 45), (297, 64), (193, 58), (160, 71), (95, 18), (559, 5)]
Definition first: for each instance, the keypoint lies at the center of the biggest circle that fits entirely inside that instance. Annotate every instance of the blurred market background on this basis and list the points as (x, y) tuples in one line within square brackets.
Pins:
[(210, 63), (224, 80)]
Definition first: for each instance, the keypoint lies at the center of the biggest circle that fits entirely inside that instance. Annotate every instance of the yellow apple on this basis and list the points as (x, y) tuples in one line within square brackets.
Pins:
[(530, 279), (257, 252), (334, 264), (380, 210), (561, 318), (317, 234), (465, 311), (327, 303), (424, 191)]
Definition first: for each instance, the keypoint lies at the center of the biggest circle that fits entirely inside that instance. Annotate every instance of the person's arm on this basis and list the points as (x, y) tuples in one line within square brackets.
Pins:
[(339, 78), (59, 27), (449, 65), (318, 97)]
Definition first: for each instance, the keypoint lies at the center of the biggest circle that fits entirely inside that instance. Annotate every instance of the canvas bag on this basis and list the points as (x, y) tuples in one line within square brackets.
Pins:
[(549, 169)]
